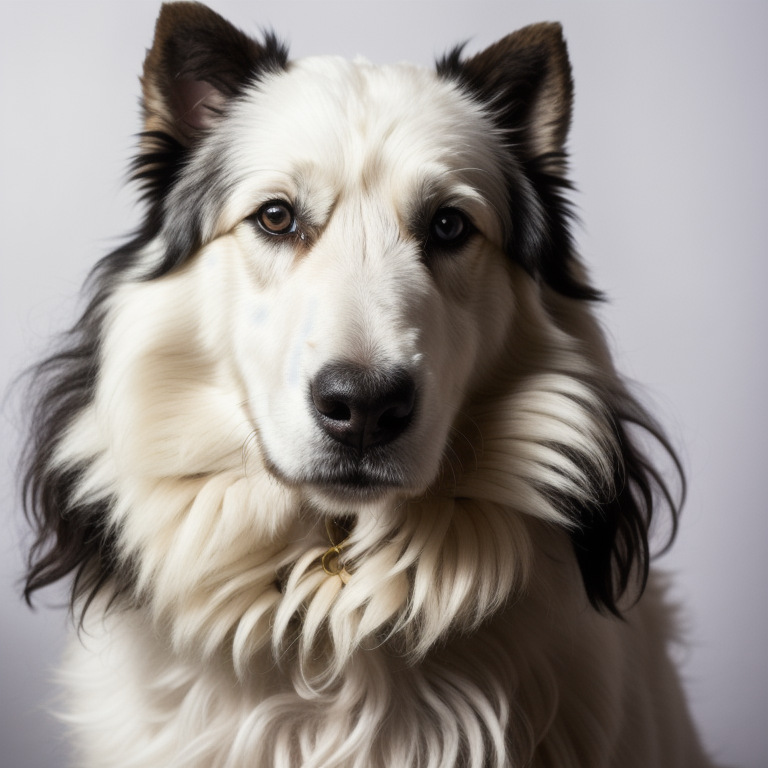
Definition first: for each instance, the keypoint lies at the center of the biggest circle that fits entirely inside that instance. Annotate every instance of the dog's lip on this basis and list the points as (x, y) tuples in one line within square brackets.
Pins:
[(353, 481), (364, 477), (357, 482)]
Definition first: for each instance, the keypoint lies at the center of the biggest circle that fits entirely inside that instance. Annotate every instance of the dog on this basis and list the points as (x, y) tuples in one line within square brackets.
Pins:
[(336, 458)]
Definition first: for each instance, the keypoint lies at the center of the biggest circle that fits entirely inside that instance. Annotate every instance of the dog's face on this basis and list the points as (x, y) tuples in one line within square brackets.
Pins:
[(361, 249), (355, 221)]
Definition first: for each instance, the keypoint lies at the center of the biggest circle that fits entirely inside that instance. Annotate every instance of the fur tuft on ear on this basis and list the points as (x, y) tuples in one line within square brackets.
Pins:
[(524, 83)]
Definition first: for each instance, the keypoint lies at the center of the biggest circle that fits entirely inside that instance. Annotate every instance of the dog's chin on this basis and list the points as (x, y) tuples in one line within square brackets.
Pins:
[(352, 486), (347, 499), (340, 482)]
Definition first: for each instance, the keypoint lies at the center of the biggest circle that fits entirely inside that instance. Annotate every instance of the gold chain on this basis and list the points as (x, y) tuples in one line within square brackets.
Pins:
[(331, 560)]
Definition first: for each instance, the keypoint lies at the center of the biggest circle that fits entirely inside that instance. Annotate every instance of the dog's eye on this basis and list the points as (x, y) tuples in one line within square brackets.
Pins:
[(449, 227), (276, 218)]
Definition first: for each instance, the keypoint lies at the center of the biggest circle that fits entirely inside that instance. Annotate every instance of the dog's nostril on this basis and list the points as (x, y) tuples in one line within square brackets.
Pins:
[(394, 415), (335, 410), (363, 407)]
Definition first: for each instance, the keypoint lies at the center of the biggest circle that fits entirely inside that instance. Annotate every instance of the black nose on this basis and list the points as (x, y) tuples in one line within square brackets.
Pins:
[(362, 407)]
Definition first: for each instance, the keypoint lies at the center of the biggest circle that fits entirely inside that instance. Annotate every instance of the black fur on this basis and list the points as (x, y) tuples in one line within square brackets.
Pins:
[(611, 535), (70, 537)]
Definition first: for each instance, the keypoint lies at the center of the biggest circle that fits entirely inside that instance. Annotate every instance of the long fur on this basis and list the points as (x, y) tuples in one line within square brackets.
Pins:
[(182, 470)]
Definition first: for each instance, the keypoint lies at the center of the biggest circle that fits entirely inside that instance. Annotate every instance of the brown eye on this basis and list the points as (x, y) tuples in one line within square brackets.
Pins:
[(276, 218)]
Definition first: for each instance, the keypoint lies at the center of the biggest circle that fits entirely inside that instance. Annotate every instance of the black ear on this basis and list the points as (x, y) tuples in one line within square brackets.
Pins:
[(524, 83), (525, 79), (197, 63)]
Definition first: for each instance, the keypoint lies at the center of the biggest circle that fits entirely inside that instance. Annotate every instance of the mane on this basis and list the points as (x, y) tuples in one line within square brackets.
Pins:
[(551, 443)]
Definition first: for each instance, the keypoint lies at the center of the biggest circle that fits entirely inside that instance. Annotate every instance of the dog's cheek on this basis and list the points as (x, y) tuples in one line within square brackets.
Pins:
[(478, 307), (494, 308)]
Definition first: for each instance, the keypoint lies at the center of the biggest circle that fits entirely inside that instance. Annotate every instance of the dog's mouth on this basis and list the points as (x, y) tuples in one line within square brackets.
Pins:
[(347, 474), (342, 474)]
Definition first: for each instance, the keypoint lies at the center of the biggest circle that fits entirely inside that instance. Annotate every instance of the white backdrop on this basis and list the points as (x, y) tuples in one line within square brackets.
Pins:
[(669, 154)]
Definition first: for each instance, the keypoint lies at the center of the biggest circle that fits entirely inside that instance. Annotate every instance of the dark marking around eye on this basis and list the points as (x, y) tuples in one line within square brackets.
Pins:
[(448, 230)]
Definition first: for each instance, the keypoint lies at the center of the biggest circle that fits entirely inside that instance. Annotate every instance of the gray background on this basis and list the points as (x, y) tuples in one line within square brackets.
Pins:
[(669, 154)]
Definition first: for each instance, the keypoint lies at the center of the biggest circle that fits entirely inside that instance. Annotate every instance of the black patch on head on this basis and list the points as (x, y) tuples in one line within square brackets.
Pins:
[(509, 80)]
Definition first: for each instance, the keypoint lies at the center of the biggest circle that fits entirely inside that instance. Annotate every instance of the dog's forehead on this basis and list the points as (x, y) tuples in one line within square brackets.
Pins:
[(352, 121)]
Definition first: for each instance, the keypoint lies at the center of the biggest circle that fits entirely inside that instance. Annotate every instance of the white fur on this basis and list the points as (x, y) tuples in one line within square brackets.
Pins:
[(463, 637)]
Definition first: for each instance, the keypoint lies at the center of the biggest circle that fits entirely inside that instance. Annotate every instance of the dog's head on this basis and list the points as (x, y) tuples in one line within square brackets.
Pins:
[(366, 220), (354, 294)]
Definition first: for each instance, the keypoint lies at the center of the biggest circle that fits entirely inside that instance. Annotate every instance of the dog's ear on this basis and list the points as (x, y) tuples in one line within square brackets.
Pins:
[(197, 63), (197, 67), (523, 83), (525, 80)]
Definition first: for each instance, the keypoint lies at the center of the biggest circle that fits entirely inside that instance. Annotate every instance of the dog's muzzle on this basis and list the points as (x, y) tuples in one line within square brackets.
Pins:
[(362, 407)]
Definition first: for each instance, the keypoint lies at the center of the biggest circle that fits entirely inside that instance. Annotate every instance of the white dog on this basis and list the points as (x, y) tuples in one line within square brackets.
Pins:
[(336, 455)]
